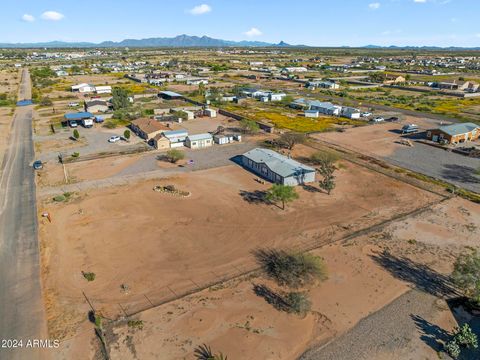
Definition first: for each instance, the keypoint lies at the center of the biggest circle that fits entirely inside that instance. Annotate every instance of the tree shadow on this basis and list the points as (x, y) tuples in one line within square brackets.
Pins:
[(254, 197), (273, 298), (431, 334), (422, 276), (311, 188), (460, 173)]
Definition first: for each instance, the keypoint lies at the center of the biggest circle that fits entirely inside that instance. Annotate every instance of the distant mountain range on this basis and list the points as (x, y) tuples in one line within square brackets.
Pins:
[(177, 41), (184, 41)]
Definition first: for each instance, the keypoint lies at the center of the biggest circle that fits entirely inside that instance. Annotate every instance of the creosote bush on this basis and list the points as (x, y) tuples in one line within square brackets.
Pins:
[(294, 270)]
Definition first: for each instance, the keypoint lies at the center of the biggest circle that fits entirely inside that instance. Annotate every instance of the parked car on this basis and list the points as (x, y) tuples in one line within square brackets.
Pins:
[(37, 165), (409, 129), (73, 124), (377, 119), (114, 139), (366, 114), (73, 104)]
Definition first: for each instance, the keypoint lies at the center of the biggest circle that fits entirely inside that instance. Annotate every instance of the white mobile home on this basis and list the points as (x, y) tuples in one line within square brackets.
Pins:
[(277, 168)]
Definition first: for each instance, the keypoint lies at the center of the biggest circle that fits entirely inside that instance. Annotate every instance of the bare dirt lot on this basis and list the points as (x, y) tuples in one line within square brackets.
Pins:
[(161, 245), (365, 274)]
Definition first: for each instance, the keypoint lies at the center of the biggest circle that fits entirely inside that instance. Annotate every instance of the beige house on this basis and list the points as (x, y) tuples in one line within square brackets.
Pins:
[(160, 142), (394, 79), (199, 141), (147, 128)]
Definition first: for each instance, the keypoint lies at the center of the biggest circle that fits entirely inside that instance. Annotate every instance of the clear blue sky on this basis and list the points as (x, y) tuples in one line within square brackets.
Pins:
[(310, 22)]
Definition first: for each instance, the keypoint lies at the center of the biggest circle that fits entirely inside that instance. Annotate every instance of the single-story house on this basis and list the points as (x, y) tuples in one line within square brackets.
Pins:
[(176, 137), (468, 86), (322, 85), (160, 142), (277, 96), (103, 89), (223, 139), (277, 168), (455, 133), (394, 79), (444, 85), (326, 108), (197, 81), (210, 113), (61, 73), (97, 105), (311, 113), (83, 88), (170, 95), (293, 69), (199, 141), (147, 128), (350, 112)]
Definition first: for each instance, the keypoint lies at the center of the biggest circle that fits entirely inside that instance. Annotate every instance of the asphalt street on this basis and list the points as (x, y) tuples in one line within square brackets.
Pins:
[(21, 306)]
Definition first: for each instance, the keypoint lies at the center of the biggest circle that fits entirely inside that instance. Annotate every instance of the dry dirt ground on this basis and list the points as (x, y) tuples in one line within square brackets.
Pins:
[(160, 245), (365, 274)]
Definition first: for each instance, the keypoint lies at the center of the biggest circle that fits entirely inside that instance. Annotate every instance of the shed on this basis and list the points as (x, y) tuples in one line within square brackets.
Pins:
[(199, 141), (170, 95)]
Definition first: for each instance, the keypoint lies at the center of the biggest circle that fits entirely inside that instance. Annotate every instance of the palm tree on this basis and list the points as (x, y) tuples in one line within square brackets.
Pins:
[(204, 352)]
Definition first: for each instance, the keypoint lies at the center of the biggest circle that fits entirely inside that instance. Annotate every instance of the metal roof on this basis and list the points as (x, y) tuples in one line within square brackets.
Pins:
[(170, 93), (78, 116), (459, 129), (278, 163), (175, 133), (198, 137)]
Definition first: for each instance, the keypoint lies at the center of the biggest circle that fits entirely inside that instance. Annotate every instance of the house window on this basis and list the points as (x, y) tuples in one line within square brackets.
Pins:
[(194, 143), (429, 134)]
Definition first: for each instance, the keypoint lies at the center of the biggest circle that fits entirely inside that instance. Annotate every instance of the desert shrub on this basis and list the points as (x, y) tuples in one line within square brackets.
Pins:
[(59, 198), (299, 302), (292, 269), (75, 154), (466, 275), (135, 324), (175, 155), (89, 276), (463, 338)]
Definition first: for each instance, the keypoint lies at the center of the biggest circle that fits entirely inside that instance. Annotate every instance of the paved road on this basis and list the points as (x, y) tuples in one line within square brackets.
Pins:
[(21, 305), (390, 333)]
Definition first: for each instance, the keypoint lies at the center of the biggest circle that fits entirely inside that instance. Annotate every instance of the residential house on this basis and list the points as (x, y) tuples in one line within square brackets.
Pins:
[(97, 106), (276, 96), (83, 88), (350, 112), (294, 69), (147, 128), (312, 85), (160, 142), (277, 168), (468, 86), (455, 133), (176, 137), (103, 89), (326, 108), (394, 79), (199, 141)]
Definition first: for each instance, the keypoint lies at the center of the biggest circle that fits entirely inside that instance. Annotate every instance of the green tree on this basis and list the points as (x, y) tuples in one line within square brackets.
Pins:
[(283, 193), (175, 155), (76, 134), (120, 98), (325, 163), (249, 126), (289, 140), (126, 134), (466, 275)]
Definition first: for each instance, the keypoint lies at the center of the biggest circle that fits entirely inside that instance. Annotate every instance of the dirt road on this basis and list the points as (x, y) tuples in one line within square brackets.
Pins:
[(21, 305)]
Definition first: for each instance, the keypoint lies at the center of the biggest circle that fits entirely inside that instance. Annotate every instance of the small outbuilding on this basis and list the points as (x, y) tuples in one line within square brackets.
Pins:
[(160, 142), (199, 141)]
